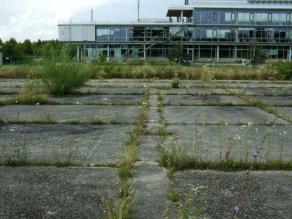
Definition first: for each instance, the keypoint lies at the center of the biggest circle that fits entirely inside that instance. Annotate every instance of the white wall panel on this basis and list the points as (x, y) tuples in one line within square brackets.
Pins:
[(77, 33)]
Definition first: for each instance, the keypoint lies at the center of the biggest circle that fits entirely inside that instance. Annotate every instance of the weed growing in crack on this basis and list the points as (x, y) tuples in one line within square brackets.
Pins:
[(128, 159), (119, 209)]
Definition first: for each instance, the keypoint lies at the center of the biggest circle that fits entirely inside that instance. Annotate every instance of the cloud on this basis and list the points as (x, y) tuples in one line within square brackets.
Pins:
[(38, 19)]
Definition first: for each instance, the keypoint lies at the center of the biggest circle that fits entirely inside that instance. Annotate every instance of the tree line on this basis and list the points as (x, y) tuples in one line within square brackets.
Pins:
[(27, 51)]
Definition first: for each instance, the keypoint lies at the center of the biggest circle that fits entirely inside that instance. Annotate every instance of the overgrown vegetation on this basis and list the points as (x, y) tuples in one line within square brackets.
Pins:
[(177, 158), (62, 76), (148, 70), (121, 210), (286, 70)]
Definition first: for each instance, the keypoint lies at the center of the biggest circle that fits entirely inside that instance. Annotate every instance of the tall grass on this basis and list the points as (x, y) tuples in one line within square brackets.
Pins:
[(62, 76), (137, 70)]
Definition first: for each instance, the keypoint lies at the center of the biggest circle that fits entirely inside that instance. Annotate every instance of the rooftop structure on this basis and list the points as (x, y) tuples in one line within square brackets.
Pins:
[(209, 30)]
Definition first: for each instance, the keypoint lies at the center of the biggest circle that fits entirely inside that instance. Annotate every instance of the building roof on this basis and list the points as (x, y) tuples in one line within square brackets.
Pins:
[(231, 4)]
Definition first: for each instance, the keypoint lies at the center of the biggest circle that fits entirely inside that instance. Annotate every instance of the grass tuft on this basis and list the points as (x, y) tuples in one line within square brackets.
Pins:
[(178, 159)]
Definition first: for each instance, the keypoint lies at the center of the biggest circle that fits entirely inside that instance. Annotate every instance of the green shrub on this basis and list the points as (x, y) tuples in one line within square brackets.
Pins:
[(175, 83), (285, 70), (62, 76)]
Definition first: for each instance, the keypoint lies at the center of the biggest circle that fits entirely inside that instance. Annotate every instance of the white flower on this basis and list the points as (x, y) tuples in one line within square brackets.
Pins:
[(37, 104), (78, 103), (237, 137), (249, 124), (12, 130)]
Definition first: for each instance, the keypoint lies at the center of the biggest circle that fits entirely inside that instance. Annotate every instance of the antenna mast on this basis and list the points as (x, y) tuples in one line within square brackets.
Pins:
[(138, 5)]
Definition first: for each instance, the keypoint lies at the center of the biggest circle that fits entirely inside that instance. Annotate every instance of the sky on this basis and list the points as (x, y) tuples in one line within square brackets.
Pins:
[(38, 19)]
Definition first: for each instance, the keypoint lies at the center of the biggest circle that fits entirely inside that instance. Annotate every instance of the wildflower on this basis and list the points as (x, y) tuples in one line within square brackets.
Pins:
[(237, 137), (249, 124), (78, 103), (236, 210), (226, 123), (37, 104), (12, 130), (16, 101)]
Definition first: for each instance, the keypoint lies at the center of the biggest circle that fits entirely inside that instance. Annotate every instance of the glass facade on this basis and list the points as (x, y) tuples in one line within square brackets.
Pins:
[(221, 32)]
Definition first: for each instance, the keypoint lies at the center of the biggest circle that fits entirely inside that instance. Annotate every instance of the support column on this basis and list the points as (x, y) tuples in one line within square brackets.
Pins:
[(217, 53), (181, 16), (108, 53), (199, 53), (78, 53), (145, 52), (290, 53), (235, 52), (81, 53)]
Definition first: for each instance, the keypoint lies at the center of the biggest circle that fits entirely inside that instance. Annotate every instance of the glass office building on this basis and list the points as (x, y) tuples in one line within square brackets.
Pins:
[(209, 30)]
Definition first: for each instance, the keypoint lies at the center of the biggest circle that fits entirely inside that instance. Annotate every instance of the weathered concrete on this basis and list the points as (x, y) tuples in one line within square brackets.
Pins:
[(239, 142), (111, 90), (102, 144), (48, 192), (271, 91), (277, 100), (148, 148), (189, 100), (286, 112), (68, 113), (218, 114), (100, 99), (151, 188), (255, 194), (194, 91)]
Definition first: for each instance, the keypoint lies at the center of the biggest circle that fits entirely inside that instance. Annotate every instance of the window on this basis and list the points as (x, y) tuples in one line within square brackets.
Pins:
[(288, 17), (261, 17), (270, 17), (251, 17), (215, 16), (279, 18), (243, 17), (214, 33), (233, 16)]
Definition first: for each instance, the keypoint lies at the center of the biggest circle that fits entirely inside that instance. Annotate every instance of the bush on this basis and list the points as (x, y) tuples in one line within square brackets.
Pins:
[(285, 70), (175, 83), (62, 76)]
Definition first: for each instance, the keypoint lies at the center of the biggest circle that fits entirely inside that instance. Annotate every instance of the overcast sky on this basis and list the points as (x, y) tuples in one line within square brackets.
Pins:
[(38, 19)]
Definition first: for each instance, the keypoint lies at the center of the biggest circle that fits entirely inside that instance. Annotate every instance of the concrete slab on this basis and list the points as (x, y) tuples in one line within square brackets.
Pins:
[(189, 100), (271, 91), (151, 188), (194, 91), (218, 114), (111, 90), (253, 194), (102, 144), (286, 112), (48, 192), (68, 113), (147, 149), (240, 142), (277, 100), (100, 100)]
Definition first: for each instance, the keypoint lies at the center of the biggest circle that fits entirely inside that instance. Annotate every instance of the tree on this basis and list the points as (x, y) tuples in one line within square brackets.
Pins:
[(26, 47), (11, 50), (177, 54)]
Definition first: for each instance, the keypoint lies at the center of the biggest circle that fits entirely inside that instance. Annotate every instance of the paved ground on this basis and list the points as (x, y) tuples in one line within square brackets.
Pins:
[(205, 119)]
